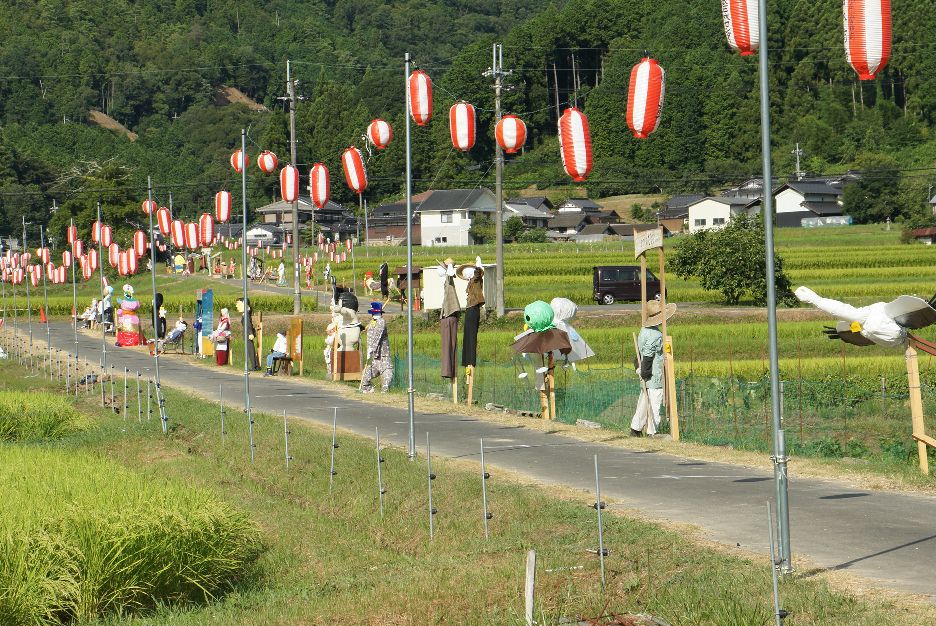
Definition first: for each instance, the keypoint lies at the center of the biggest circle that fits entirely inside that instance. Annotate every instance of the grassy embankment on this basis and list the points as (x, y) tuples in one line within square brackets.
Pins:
[(331, 558)]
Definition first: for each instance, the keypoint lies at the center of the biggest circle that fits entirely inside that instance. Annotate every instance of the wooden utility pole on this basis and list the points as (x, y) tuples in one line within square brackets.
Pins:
[(291, 87)]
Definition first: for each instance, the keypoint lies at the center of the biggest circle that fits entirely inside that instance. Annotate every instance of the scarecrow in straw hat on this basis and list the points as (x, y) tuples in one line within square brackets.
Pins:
[(650, 369)]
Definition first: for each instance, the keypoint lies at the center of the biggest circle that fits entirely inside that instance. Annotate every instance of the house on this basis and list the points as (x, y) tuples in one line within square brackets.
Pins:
[(531, 216), (387, 224), (565, 225), (601, 232), (265, 235), (716, 211), (333, 220), (751, 188), (926, 235), (445, 217), (801, 199), (584, 205), (675, 215), (537, 202)]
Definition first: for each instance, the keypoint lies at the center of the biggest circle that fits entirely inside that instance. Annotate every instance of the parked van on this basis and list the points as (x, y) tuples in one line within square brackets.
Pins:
[(621, 283)]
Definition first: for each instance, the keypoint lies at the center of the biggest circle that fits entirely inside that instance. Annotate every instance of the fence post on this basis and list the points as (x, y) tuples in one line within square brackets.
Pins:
[(380, 487), (334, 445), (221, 402), (598, 506), (139, 399), (431, 477), (529, 586), (484, 478)]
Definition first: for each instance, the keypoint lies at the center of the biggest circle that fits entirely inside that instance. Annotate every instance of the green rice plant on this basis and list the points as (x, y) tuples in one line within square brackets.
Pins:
[(30, 416), (82, 537)]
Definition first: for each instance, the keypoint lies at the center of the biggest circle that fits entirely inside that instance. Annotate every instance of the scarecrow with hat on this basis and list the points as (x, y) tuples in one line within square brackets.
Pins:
[(448, 325), (650, 369), (379, 361)]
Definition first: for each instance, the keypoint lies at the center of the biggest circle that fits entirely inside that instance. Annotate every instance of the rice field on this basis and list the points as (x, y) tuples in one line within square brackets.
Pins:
[(37, 416)]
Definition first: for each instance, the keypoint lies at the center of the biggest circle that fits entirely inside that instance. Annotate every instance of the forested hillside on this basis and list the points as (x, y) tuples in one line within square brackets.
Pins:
[(157, 67)]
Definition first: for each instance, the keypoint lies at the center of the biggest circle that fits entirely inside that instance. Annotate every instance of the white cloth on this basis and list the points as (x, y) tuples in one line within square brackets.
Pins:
[(876, 325), (563, 312), (281, 345), (640, 415)]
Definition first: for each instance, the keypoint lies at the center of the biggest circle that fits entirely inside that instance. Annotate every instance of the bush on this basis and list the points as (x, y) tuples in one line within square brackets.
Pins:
[(82, 537), (33, 416)]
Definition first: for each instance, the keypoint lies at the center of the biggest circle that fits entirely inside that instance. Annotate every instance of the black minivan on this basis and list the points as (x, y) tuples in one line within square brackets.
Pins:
[(621, 282)]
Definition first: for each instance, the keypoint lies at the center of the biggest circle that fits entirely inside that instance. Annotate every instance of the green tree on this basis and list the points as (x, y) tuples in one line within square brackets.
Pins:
[(731, 260), (482, 229), (533, 235), (513, 228)]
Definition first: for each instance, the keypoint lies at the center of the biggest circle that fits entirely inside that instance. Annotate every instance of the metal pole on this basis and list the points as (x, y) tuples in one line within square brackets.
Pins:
[(779, 458), (430, 478), (149, 399), (28, 301), (779, 614), (75, 299), (45, 297), (380, 489), (334, 445), (100, 226), (410, 292), (286, 438), (160, 401), (221, 402), (484, 478), (498, 187), (113, 402), (598, 506), (126, 405), (291, 86), (246, 301), (139, 399)]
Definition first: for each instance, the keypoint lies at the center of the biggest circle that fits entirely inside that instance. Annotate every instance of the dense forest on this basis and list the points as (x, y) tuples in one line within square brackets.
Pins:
[(159, 67)]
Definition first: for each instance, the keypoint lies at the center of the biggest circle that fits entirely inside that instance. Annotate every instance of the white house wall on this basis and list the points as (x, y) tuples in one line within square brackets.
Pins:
[(707, 210), (788, 201), (455, 233)]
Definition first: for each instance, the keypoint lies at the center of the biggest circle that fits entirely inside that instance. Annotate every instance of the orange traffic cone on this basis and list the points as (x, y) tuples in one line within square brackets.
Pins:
[(42, 317)]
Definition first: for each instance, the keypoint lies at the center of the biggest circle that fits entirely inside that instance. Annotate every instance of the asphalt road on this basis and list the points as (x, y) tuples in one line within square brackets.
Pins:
[(887, 538)]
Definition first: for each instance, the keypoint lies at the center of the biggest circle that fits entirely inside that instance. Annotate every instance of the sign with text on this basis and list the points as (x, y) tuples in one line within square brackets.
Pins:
[(647, 240)]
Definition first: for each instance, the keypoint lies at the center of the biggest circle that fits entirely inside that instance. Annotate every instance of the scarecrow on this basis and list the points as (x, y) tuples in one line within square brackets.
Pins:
[(128, 322), (542, 337), (379, 361)]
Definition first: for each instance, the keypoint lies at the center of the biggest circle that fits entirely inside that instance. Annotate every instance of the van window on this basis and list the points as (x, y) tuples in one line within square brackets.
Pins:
[(627, 275), (609, 275)]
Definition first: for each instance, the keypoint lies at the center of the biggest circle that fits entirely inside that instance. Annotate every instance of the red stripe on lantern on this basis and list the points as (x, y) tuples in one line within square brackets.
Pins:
[(867, 25), (289, 183), (319, 185), (206, 230), (379, 133), (354, 171), (420, 97), (741, 25), (575, 144), (462, 125), (510, 133), (267, 162), (645, 97), (223, 206)]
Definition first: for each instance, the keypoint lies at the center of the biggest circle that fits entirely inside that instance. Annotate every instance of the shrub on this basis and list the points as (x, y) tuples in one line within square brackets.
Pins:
[(82, 537), (32, 416)]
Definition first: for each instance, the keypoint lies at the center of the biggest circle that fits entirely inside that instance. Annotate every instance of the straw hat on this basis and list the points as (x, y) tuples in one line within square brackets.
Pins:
[(655, 315)]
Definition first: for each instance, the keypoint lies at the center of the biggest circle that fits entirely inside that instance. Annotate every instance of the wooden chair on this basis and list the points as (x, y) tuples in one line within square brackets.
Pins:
[(283, 363)]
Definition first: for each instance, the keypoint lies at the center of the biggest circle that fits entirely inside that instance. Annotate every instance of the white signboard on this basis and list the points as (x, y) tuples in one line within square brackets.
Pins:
[(647, 240)]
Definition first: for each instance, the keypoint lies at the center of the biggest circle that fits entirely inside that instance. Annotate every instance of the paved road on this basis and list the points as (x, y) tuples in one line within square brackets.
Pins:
[(888, 538)]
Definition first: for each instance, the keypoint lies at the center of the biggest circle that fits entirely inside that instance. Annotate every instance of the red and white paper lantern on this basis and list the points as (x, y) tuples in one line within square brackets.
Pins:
[(575, 144), (77, 248), (86, 271), (107, 235), (149, 206), (139, 243), (267, 162), (206, 230), (238, 161), (72, 234), (867, 35), (178, 234), (18, 275), (191, 235), (510, 133), (741, 25), (319, 183), (420, 97), (96, 231), (645, 97), (131, 262), (354, 171), (379, 133), (222, 206), (113, 254), (93, 259), (289, 183), (34, 273), (67, 257), (123, 262), (61, 274), (462, 125), (44, 254), (164, 220)]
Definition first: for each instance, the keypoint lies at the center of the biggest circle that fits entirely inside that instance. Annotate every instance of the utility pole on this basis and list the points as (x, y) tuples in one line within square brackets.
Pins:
[(410, 292), (291, 86), (779, 457), (798, 153), (497, 72), (28, 305)]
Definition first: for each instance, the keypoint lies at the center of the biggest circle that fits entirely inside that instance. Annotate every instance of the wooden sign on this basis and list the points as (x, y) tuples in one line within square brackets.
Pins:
[(295, 343), (647, 240)]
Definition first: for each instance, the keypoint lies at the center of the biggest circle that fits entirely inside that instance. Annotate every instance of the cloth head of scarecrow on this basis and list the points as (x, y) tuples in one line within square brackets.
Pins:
[(538, 316)]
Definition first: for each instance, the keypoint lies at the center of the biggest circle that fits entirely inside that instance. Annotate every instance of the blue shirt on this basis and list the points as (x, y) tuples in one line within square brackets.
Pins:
[(650, 344)]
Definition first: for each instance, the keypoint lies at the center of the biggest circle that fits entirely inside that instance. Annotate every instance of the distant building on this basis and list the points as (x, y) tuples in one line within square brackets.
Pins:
[(585, 205), (675, 215), (714, 212), (926, 235), (806, 199), (334, 220), (445, 217), (566, 225), (602, 232), (387, 224), (541, 203), (532, 217)]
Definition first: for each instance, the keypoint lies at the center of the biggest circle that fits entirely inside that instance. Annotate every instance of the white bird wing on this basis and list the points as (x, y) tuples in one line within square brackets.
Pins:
[(911, 312)]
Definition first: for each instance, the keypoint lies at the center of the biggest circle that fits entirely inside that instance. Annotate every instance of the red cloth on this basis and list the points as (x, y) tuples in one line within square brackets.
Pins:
[(128, 339), (221, 357)]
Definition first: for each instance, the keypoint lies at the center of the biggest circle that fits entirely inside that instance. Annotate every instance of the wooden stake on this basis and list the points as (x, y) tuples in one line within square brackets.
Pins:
[(544, 397), (454, 380), (916, 407), (551, 385), (643, 289), (469, 382)]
